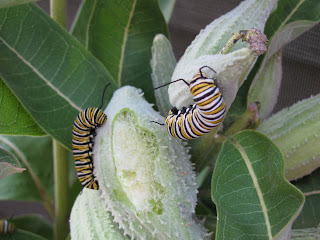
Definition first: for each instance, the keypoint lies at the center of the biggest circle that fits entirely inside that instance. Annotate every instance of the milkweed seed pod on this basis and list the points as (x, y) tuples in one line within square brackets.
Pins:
[(89, 220), (296, 132), (146, 179), (231, 67)]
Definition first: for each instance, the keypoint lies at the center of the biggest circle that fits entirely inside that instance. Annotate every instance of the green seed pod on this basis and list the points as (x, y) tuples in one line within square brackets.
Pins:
[(296, 131), (232, 68), (145, 176), (231, 71), (89, 219)]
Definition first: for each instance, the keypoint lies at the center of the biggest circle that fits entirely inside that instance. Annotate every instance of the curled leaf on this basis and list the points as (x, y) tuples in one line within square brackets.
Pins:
[(9, 164)]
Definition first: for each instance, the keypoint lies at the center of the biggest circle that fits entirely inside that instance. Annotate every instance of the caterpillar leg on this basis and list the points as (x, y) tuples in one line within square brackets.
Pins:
[(162, 124)]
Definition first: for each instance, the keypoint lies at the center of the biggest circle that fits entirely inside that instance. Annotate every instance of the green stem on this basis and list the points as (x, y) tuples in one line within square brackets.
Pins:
[(61, 190), (237, 36), (58, 13)]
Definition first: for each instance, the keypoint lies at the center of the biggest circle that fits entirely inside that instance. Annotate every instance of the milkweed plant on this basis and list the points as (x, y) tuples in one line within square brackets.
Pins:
[(231, 183)]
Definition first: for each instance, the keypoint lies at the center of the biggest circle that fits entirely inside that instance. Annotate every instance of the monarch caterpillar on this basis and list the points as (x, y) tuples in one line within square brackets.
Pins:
[(205, 114), (6, 227), (84, 128)]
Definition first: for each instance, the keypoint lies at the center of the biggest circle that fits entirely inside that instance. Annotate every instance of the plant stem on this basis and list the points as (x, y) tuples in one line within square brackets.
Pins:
[(61, 190), (58, 13)]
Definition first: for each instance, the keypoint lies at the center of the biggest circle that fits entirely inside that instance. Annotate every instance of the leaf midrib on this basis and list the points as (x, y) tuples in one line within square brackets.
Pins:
[(125, 39), (40, 75), (289, 16), (256, 185)]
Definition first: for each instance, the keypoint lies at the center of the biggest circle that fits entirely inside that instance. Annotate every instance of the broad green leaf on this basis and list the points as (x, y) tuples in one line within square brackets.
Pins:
[(253, 199), (287, 11), (35, 224), (163, 63), (295, 131), (80, 25), (310, 214), (167, 7), (14, 119), (11, 3), (9, 164), (19, 234), (36, 183), (52, 74), (120, 35), (266, 86)]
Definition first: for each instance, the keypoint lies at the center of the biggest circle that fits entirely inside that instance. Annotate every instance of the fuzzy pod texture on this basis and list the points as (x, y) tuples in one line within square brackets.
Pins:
[(296, 131), (162, 63), (145, 176), (90, 221), (209, 42)]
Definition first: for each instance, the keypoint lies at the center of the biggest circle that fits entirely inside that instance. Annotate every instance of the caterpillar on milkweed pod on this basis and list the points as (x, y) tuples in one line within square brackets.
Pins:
[(6, 227), (84, 130), (206, 113)]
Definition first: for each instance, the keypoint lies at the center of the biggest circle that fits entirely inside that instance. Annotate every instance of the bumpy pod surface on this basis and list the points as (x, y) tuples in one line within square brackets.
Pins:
[(296, 132), (89, 220), (145, 176)]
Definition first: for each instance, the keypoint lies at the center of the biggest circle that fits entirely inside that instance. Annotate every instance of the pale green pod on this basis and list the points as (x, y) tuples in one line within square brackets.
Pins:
[(89, 219), (306, 234), (206, 46), (145, 176), (162, 63), (231, 71), (296, 131)]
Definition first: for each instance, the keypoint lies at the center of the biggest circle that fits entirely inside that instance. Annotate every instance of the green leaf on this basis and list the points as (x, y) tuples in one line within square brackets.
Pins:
[(15, 120), (35, 184), (52, 74), (167, 7), (163, 63), (34, 223), (9, 164), (295, 131), (11, 3), (80, 25), (22, 235), (121, 35), (287, 11), (310, 214), (253, 199), (266, 86)]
